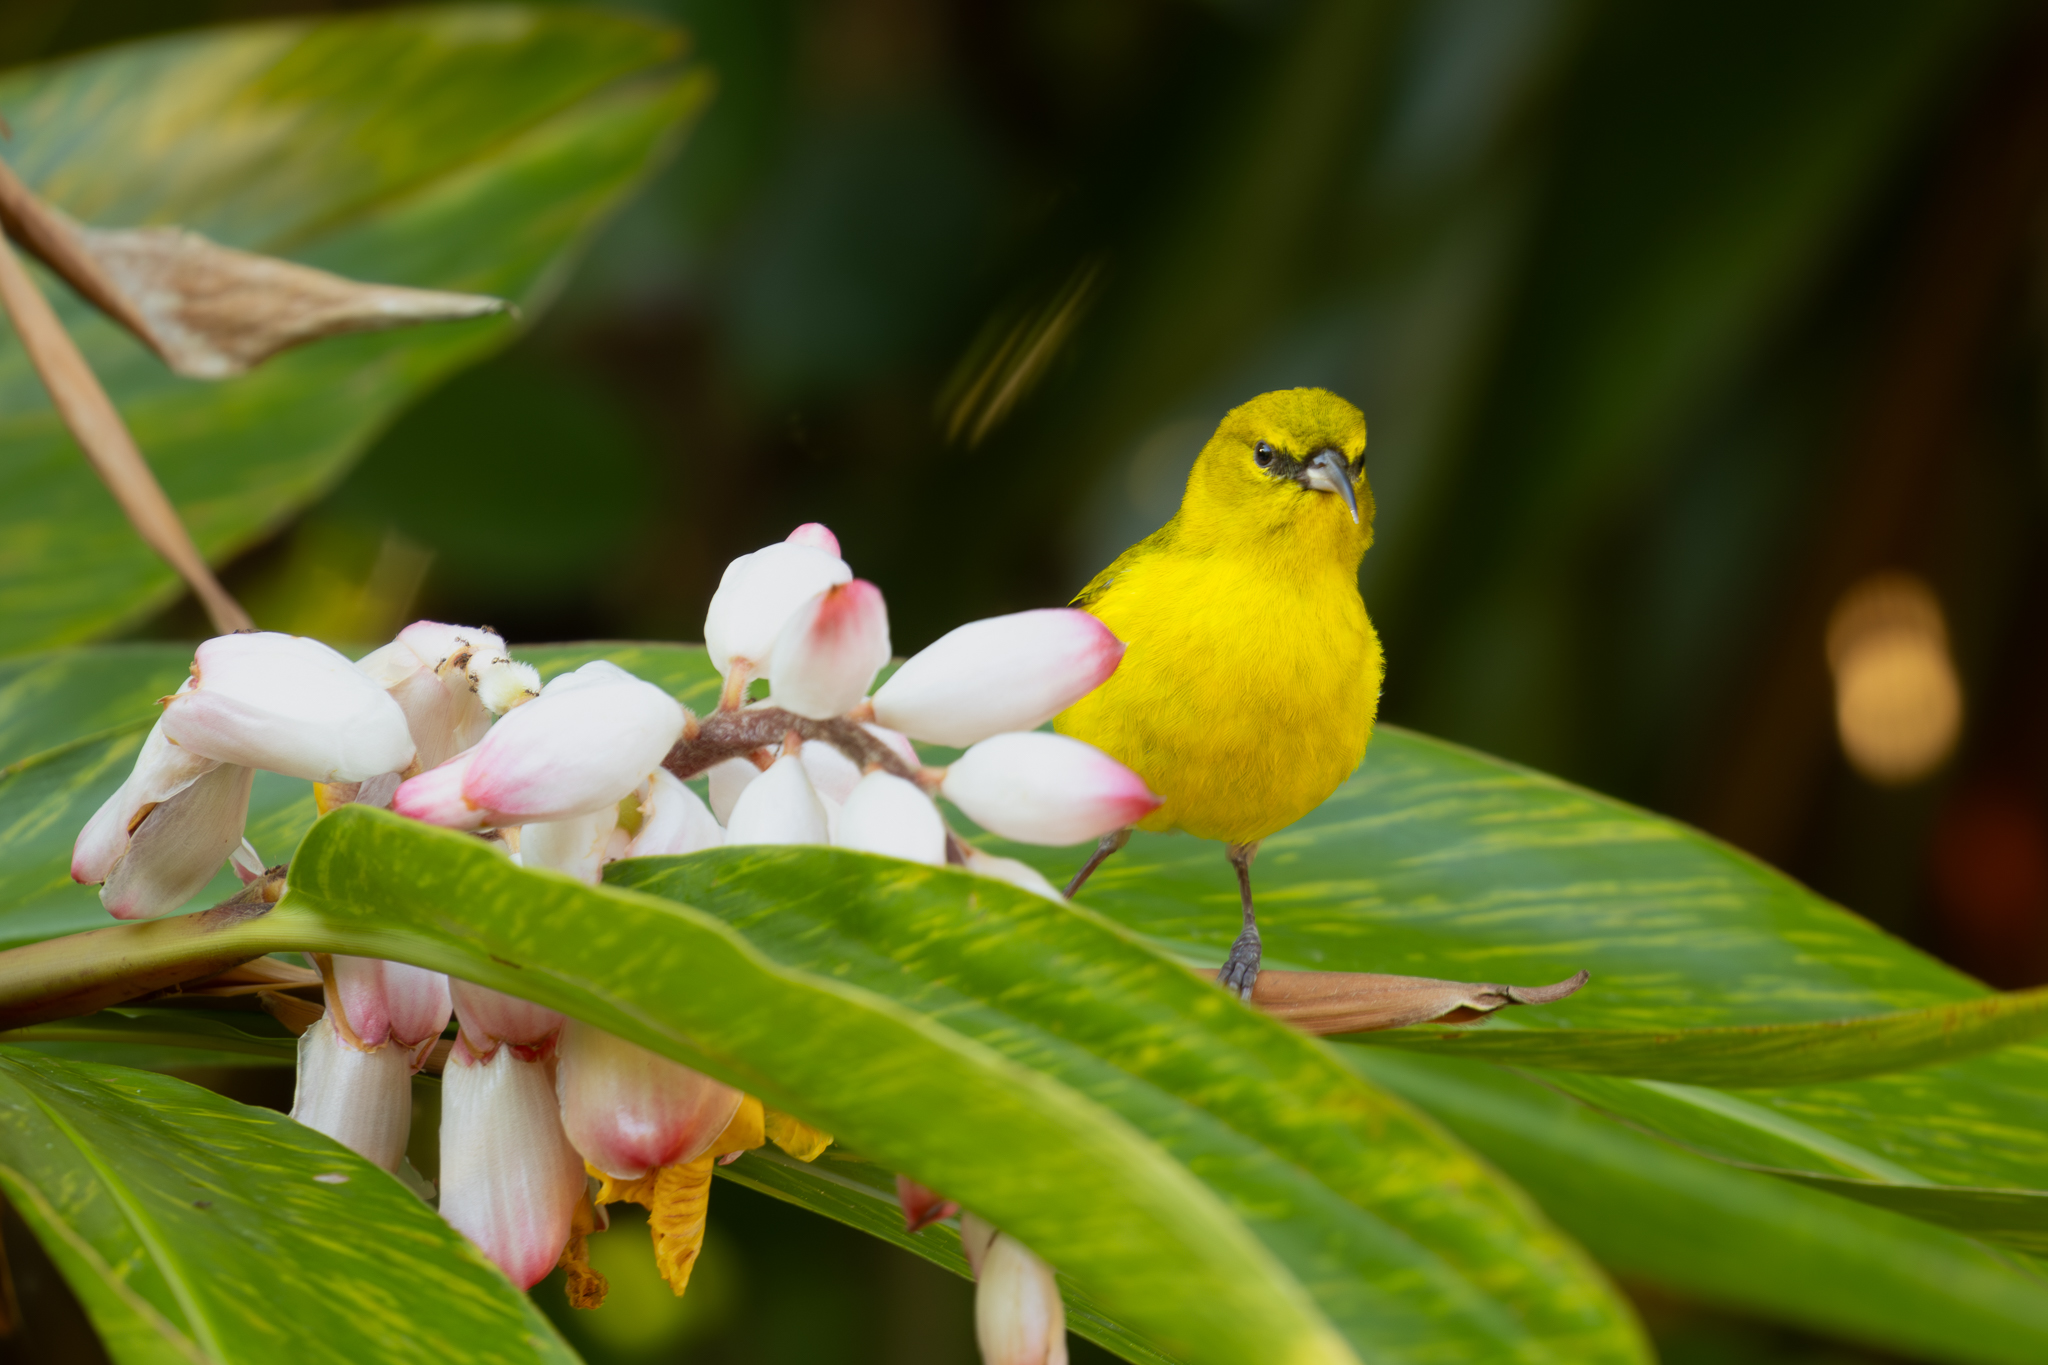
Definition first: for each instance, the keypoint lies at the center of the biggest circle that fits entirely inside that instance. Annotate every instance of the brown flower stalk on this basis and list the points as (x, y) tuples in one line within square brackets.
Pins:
[(104, 437)]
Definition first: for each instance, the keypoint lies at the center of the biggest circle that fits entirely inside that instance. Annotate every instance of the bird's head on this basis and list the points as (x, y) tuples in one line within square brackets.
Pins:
[(1284, 475)]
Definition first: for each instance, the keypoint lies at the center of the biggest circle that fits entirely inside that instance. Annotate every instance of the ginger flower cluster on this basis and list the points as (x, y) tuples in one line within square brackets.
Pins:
[(544, 1119)]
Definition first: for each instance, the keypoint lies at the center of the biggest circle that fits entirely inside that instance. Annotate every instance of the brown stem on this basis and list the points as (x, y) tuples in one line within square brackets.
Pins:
[(63, 977), (53, 239), (731, 734), (97, 426)]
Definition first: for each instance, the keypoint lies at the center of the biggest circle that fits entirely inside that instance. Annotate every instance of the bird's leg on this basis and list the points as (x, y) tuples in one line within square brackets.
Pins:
[(1241, 971), (1111, 842)]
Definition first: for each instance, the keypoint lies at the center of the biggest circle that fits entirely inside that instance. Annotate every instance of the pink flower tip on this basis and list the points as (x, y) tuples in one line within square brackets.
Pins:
[(435, 796), (1046, 789), (815, 534)]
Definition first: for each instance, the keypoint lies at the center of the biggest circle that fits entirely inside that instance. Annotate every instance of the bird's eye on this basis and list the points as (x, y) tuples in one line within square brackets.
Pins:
[(1263, 453)]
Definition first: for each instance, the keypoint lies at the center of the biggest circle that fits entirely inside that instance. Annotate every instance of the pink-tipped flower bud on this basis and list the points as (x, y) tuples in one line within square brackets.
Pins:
[(436, 798), (585, 743), (673, 819), (179, 845), (1046, 789), (1019, 1318), (830, 650), (817, 535), (391, 1002), (360, 1097), (628, 1110), (1001, 674), (778, 807), (436, 674), (290, 705), (758, 594), (490, 1017), (887, 815), (509, 1178)]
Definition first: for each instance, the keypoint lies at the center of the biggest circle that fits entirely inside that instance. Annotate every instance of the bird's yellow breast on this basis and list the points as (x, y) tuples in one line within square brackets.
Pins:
[(1245, 697)]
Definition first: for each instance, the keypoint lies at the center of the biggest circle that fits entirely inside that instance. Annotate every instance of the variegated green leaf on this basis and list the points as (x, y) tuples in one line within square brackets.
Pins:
[(1436, 861), (1748, 1055), (1709, 1232), (203, 1232), (1173, 1197)]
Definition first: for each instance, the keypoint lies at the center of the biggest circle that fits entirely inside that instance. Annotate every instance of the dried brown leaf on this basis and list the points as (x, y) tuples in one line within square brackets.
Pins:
[(1362, 1002), (212, 311)]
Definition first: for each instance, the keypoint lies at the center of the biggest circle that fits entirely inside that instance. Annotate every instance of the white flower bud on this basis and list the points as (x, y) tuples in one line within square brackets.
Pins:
[(778, 807), (727, 781), (290, 705), (1017, 874), (162, 770), (832, 774), (1046, 789), (673, 819), (1001, 674), (576, 846), (628, 1110), (888, 815), (179, 845), (830, 650), (362, 1098), (510, 1180), (1019, 1318), (758, 595)]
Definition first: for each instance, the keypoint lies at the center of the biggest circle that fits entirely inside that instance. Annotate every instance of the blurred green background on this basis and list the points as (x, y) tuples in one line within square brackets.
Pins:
[(1675, 325)]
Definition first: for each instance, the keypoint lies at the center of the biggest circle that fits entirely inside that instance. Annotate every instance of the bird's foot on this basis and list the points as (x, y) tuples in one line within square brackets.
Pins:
[(1241, 972)]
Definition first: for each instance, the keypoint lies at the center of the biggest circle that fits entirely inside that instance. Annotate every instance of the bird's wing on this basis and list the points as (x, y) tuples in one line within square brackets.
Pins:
[(1099, 586)]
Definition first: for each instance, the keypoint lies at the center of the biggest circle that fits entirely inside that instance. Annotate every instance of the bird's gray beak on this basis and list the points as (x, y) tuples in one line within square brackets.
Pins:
[(1329, 472)]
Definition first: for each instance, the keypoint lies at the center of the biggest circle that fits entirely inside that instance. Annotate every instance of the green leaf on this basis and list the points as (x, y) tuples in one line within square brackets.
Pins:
[(195, 1229), (1189, 1222), (468, 149), (162, 1039), (1749, 1055), (1330, 1169), (1436, 861), (1706, 1231)]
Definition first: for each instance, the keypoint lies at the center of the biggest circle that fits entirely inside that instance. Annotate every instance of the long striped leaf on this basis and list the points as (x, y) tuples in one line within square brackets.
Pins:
[(1749, 1055), (1163, 1210), (1437, 861), (1408, 1246), (203, 1232)]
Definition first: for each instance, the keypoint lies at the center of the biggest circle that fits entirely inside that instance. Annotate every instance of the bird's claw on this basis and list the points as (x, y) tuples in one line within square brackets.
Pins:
[(1241, 972)]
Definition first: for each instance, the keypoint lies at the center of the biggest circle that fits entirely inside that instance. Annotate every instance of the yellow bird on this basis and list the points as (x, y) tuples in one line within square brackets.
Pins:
[(1252, 675)]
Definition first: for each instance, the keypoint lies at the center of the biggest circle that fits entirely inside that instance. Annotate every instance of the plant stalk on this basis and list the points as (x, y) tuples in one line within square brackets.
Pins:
[(97, 426), (734, 734)]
